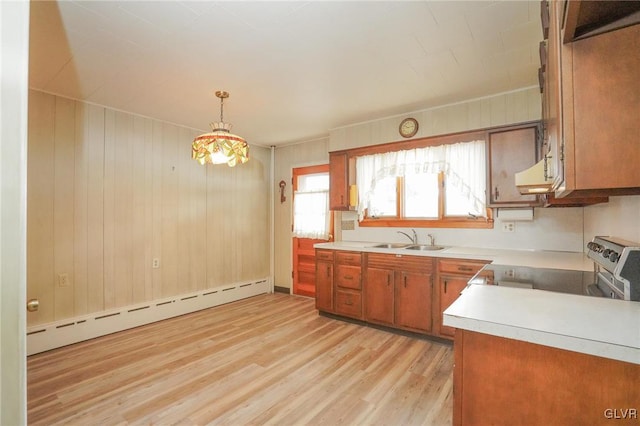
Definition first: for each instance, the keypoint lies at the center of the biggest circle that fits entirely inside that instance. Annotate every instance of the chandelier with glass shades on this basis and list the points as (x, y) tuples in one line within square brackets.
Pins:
[(220, 146)]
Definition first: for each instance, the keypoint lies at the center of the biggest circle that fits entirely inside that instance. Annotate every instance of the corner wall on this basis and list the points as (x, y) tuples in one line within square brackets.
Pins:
[(109, 191)]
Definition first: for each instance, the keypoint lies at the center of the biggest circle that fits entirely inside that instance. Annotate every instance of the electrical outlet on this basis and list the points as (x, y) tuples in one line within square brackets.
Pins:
[(63, 280), (509, 273), (156, 263), (508, 226)]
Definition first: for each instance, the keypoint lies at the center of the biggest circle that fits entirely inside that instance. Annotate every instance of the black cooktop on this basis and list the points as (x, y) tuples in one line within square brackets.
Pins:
[(557, 280)]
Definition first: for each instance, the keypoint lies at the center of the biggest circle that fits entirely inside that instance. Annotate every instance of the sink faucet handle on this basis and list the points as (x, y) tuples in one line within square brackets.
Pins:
[(415, 236), (432, 240)]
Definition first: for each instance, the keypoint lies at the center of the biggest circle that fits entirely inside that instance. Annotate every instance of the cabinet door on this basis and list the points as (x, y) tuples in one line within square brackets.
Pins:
[(338, 181), (450, 288), (379, 295), (324, 286), (510, 152), (606, 91), (413, 300)]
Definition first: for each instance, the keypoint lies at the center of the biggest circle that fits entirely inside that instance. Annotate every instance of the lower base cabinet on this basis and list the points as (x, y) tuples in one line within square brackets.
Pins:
[(393, 290), (511, 382), (398, 291), (453, 276)]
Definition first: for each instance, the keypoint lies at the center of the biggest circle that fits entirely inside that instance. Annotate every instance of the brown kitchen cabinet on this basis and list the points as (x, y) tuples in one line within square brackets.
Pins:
[(398, 291), (348, 284), (380, 283), (324, 280), (538, 385), (510, 151), (590, 91), (338, 181), (453, 276)]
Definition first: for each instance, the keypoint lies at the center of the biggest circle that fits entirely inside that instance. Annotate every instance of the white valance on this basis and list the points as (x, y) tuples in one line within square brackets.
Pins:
[(464, 165)]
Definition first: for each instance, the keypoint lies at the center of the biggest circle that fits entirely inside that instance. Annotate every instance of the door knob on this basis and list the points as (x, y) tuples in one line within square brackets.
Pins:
[(33, 305)]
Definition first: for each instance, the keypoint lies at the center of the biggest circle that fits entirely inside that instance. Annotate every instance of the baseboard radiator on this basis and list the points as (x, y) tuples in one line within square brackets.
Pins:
[(44, 337)]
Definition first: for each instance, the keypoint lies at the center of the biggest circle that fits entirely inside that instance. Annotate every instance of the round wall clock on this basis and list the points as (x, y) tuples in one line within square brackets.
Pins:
[(408, 127)]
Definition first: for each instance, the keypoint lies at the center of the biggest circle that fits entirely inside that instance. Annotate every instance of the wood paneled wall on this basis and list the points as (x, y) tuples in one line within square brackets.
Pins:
[(108, 192), (501, 109)]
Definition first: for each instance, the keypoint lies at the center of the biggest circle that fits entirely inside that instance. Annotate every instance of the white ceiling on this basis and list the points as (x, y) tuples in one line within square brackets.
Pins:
[(294, 69)]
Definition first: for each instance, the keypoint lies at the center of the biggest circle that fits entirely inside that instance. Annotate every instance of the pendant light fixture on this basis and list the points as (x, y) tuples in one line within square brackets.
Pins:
[(220, 146)]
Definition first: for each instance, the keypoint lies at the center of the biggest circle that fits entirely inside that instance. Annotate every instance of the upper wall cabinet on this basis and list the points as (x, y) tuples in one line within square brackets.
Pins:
[(338, 181), (590, 18), (591, 96), (510, 151)]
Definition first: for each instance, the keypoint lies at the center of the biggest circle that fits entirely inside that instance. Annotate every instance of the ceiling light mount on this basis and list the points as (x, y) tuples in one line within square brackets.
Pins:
[(220, 146)]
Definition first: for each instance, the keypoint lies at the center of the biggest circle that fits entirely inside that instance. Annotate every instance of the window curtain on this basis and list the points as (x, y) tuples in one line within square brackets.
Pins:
[(463, 163), (311, 214)]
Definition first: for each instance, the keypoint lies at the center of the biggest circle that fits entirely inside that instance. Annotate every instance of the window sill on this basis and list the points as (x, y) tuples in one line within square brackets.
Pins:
[(480, 223)]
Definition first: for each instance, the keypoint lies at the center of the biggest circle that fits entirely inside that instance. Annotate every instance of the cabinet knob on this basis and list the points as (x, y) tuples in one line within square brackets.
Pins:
[(496, 193), (445, 286), (33, 305)]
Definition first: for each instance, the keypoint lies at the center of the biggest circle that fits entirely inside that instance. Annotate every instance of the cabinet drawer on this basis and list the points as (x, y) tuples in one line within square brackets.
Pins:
[(348, 258), (324, 255), (348, 276), (461, 267), (349, 303)]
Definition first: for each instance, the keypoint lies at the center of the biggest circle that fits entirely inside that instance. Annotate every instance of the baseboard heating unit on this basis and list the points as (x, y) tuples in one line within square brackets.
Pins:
[(44, 337)]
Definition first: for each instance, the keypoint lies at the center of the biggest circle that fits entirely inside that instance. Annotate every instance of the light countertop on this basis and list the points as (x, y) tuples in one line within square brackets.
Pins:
[(592, 325), (532, 258)]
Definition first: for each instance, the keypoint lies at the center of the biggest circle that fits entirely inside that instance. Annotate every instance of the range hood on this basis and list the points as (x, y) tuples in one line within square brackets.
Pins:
[(534, 180)]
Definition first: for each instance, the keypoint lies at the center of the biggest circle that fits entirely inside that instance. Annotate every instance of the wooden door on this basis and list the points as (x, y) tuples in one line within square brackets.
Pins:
[(379, 295), (450, 288), (304, 260), (413, 300)]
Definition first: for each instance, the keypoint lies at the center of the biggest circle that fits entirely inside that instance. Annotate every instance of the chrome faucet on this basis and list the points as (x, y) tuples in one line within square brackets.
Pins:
[(413, 239), (432, 240)]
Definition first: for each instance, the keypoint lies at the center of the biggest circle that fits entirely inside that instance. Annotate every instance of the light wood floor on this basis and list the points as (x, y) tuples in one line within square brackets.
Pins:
[(269, 359)]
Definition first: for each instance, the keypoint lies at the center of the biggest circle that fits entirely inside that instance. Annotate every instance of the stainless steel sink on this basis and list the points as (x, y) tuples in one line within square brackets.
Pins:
[(424, 247), (391, 245)]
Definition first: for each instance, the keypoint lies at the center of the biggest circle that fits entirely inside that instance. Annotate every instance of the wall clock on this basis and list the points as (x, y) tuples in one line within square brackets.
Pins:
[(408, 127)]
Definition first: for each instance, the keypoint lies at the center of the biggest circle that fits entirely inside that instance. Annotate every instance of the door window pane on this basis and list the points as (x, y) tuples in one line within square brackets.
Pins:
[(314, 182)]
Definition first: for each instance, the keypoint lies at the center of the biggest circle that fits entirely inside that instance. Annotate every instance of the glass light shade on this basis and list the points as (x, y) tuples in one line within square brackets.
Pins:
[(220, 146)]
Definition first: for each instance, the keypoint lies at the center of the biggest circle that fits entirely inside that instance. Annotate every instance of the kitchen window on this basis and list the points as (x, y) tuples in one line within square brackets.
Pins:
[(436, 186)]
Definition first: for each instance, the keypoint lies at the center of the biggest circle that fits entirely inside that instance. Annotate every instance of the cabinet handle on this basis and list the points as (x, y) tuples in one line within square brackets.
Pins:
[(405, 281), (342, 199), (328, 272), (496, 192), (465, 268), (348, 277), (388, 279), (445, 286)]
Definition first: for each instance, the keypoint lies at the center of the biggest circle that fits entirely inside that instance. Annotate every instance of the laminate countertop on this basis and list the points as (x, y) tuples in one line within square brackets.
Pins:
[(533, 258), (592, 325)]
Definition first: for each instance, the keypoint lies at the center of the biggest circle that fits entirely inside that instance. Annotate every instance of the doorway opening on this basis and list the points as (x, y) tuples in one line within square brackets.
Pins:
[(312, 223)]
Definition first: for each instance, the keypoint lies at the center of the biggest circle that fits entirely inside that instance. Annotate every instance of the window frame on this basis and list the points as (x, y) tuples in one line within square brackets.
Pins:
[(441, 222)]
